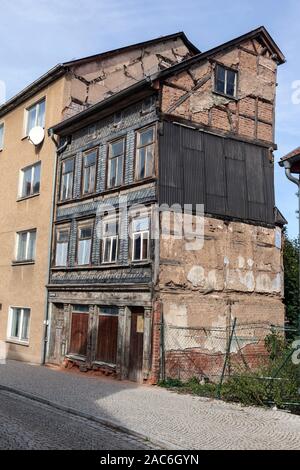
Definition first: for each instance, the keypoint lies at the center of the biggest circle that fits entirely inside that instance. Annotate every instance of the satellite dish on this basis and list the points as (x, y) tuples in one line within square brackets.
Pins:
[(36, 135)]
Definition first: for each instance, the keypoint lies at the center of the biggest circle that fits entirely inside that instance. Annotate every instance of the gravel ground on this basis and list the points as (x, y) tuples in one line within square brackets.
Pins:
[(27, 425), (183, 421)]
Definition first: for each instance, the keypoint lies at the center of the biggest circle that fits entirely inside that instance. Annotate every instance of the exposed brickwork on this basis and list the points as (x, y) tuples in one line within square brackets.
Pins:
[(195, 100), (156, 343)]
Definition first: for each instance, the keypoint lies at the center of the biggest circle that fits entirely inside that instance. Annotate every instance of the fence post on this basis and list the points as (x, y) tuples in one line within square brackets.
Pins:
[(227, 355)]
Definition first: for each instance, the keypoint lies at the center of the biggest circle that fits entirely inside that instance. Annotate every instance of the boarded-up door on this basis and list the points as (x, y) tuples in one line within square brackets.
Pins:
[(107, 339), (136, 345), (79, 333)]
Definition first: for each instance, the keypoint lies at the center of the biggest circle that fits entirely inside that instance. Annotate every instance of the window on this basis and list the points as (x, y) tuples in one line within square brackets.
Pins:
[(30, 180), (116, 156), (18, 324), (67, 176), (118, 118), (89, 172), (140, 238), (62, 245), (1, 136), (110, 240), (84, 243), (107, 335), (35, 116), (145, 153), (26, 245), (147, 105), (225, 81)]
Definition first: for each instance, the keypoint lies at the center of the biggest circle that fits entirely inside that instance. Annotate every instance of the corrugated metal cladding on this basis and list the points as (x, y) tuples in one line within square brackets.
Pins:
[(231, 178)]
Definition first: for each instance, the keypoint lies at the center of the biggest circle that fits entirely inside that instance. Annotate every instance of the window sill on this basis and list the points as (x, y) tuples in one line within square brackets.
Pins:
[(104, 364), (24, 198), (22, 263), (18, 342), (76, 357), (229, 97)]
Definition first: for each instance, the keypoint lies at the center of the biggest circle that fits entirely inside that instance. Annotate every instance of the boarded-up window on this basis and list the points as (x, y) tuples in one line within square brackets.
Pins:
[(107, 335), (79, 333)]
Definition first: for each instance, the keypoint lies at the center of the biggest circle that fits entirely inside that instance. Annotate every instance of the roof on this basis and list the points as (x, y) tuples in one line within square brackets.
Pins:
[(60, 69), (291, 155), (76, 121), (260, 32)]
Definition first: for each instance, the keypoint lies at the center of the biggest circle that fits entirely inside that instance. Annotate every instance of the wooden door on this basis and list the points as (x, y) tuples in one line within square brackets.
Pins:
[(135, 370), (79, 333), (107, 339)]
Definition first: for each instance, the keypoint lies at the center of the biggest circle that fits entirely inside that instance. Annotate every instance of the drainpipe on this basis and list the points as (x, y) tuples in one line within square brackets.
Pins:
[(59, 149), (287, 167)]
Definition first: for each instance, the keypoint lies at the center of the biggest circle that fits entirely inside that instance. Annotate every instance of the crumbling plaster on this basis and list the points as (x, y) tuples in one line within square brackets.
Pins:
[(190, 93), (95, 80)]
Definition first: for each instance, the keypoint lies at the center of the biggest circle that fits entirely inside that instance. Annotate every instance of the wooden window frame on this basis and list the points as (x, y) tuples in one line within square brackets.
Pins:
[(105, 220), (141, 233), (80, 224), (83, 167), (109, 159), (138, 147), (61, 179), (61, 227), (227, 69)]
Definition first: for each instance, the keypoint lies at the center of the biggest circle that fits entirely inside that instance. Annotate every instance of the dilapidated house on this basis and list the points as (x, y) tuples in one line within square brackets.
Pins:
[(198, 132)]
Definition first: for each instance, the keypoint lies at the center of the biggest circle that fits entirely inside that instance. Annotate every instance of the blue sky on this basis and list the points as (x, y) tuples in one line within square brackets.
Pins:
[(37, 34)]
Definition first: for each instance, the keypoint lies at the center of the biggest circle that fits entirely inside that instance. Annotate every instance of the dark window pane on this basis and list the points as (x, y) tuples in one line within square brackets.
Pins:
[(230, 83), (145, 246), (114, 249), (68, 166), (117, 148), (220, 79), (107, 250), (137, 247), (26, 182), (146, 136), (36, 179), (90, 159), (141, 163)]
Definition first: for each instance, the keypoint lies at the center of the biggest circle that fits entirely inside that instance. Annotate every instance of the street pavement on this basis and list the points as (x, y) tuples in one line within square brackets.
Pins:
[(28, 425), (168, 419)]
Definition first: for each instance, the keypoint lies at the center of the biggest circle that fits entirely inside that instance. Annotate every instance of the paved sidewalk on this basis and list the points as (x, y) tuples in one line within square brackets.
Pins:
[(184, 421)]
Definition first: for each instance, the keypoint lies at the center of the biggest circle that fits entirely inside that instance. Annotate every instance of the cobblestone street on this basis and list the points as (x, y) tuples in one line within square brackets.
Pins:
[(28, 425), (175, 421)]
